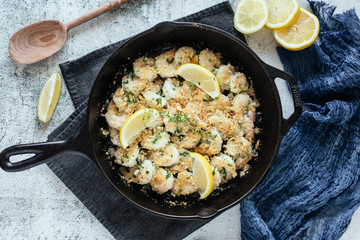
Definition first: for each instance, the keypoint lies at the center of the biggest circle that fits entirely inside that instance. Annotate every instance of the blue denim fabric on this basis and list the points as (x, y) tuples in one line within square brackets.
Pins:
[(313, 188)]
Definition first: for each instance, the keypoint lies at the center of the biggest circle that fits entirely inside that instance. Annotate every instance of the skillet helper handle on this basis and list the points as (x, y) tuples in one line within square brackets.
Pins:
[(42, 152), (111, 5), (274, 73)]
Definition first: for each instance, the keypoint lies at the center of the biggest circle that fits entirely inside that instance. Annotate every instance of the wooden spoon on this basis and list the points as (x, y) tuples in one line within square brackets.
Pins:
[(43, 39)]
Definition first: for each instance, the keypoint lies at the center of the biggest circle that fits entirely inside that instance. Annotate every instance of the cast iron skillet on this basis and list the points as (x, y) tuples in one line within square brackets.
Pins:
[(89, 141)]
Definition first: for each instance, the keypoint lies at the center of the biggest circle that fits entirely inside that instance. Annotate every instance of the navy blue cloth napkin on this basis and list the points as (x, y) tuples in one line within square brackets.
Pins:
[(313, 188), (84, 178)]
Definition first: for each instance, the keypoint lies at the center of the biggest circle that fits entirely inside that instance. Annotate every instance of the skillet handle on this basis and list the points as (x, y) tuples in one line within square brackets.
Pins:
[(274, 73), (79, 144), (42, 152)]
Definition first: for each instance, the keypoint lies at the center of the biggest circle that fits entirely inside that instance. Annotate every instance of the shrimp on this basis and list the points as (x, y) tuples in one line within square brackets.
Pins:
[(222, 124), (184, 184), (127, 157), (133, 84), (154, 100), (226, 166), (162, 181), (114, 136), (176, 123), (143, 173), (239, 148), (184, 55), (223, 75), (189, 140), (166, 157), (240, 103), (217, 177), (164, 64), (209, 59), (210, 144), (221, 103), (144, 68), (246, 126), (154, 138), (174, 89), (238, 83), (114, 118), (185, 162)]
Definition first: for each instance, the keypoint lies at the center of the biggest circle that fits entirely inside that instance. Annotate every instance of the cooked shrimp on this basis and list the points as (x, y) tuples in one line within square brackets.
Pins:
[(143, 173), (209, 59), (184, 55), (222, 124), (144, 68), (133, 84), (154, 138), (114, 136), (174, 89), (238, 83), (238, 147), (221, 103), (184, 184), (223, 75), (241, 103), (154, 100), (164, 64), (226, 166), (127, 157), (177, 123), (114, 118), (246, 125), (210, 144), (166, 157), (185, 162), (217, 177), (189, 140), (162, 181)]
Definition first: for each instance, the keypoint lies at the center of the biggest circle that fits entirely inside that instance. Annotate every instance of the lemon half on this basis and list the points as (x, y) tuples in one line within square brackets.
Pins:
[(201, 77), (301, 34), (49, 97), (250, 15), (203, 175), (135, 124)]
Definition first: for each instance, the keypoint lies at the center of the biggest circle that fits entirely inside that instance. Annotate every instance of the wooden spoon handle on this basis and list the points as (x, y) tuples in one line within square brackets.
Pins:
[(111, 5)]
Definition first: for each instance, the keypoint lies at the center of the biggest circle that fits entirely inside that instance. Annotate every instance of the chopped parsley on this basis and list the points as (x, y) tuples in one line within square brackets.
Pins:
[(224, 173), (191, 84), (184, 154), (156, 138), (168, 175)]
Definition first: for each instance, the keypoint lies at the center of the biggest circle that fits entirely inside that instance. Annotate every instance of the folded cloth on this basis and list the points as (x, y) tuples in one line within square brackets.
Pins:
[(313, 188), (84, 178)]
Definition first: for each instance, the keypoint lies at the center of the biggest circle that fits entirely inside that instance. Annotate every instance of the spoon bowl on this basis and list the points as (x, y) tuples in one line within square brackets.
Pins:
[(45, 38), (37, 41)]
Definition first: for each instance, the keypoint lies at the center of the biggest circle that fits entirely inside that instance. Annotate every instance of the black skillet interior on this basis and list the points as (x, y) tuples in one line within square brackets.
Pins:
[(154, 41)]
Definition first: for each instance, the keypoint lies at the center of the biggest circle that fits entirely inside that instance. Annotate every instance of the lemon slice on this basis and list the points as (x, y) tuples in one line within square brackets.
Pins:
[(250, 15), (135, 124), (282, 13), (203, 175), (200, 77), (49, 97), (301, 34)]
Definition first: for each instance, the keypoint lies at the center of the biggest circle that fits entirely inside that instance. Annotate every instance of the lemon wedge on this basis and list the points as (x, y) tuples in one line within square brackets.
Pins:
[(250, 15), (49, 97), (301, 34), (200, 77), (135, 124), (203, 174), (282, 13)]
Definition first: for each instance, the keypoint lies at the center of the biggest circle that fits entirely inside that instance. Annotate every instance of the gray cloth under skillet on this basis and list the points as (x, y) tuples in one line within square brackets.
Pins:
[(85, 179)]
